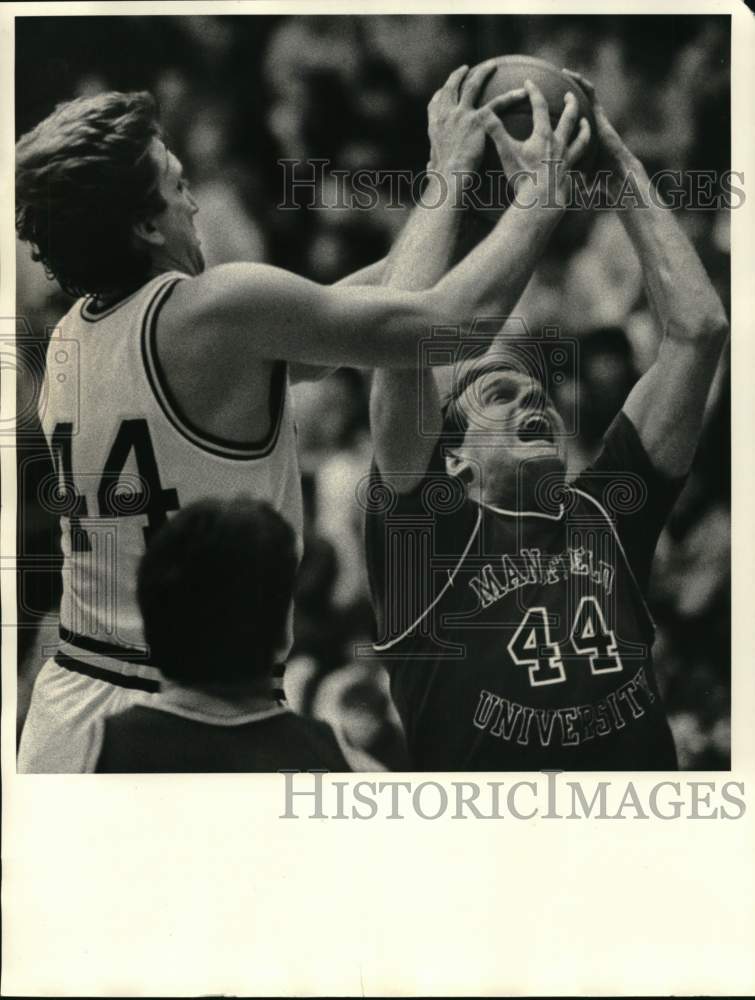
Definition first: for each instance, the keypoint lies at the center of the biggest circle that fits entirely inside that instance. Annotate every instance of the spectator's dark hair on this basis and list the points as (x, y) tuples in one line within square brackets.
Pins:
[(84, 177), (214, 589)]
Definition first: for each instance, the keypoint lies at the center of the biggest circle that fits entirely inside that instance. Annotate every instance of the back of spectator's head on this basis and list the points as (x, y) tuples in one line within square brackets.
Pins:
[(215, 588)]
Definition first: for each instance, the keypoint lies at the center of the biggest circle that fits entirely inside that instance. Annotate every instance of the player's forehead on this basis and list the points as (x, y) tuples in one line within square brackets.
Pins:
[(168, 163), (473, 377)]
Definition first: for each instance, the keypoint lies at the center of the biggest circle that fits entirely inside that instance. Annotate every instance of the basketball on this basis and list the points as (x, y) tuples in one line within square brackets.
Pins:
[(510, 74)]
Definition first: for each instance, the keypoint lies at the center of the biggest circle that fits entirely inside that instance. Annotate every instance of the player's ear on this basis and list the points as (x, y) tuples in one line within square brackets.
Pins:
[(148, 232), (459, 467)]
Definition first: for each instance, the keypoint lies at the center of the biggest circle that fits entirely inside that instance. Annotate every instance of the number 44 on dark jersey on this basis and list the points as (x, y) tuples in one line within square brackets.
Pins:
[(520, 640)]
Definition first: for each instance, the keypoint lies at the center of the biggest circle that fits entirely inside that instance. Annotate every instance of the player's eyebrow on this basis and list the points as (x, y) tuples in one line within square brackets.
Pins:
[(490, 378), (489, 387)]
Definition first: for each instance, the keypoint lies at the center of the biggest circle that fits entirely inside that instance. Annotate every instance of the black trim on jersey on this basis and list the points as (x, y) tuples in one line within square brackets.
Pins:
[(131, 656), (221, 447), (89, 313), (127, 654), (109, 676)]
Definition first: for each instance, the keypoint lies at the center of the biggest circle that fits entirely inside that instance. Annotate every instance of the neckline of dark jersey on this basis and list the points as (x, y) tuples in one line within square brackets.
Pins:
[(524, 513), (381, 647), (384, 647), (206, 441)]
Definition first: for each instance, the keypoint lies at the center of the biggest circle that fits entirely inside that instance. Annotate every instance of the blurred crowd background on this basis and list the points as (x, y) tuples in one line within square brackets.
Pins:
[(237, 94)]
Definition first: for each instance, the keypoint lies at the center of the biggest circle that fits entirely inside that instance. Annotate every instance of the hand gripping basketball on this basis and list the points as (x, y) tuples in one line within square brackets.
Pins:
[(546, 148), (456, 125)]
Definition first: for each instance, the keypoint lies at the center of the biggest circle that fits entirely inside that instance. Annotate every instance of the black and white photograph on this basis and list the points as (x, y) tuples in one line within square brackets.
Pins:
[(373, 379), (255, 318)]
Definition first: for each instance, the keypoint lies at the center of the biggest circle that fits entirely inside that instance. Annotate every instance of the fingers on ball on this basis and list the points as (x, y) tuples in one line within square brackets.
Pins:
[(503, 101), (580, 143), (586, 85), (455, 80), (475, 81), (568, 117), (540, 115)]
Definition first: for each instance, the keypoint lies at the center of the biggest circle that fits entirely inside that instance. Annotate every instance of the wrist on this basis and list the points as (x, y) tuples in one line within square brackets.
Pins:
[(453, 164), (445, 186), (437, 188), (625, 164), (540, 189)]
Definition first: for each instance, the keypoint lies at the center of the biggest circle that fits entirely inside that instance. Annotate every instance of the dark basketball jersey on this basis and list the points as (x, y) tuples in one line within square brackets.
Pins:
[(149, 740), (520, 640)]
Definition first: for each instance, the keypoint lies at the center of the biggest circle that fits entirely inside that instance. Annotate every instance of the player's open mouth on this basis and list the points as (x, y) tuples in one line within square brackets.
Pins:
[(536, 427)]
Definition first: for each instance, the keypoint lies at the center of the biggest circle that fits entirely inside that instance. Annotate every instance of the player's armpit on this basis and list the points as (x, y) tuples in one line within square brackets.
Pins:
[(667, 405)]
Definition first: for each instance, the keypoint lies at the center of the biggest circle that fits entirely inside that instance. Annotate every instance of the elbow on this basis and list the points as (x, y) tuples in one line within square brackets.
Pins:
[(722, 328), (714, 328), (715, 322), (708, 331)]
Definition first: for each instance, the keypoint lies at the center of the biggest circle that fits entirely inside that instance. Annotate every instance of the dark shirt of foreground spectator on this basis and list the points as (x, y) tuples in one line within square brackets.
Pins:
[(215, 588)]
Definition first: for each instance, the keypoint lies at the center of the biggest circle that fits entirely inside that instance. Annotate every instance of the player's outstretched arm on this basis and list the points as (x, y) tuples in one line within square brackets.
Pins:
[(667, 404), (420, 257), (370, 275), (254, 312), (251, 313), (423, 253)]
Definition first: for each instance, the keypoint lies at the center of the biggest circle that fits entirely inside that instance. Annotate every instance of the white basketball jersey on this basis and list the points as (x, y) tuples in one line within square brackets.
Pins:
[(126, 459)]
